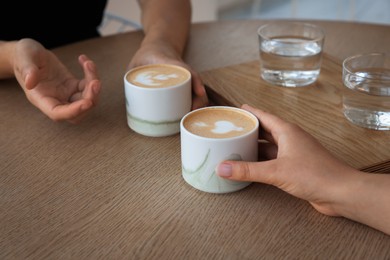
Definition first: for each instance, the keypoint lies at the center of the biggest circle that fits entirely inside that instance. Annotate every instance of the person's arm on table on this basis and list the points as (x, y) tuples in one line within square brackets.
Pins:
[(47, 83), (166, 25), (298, 164)]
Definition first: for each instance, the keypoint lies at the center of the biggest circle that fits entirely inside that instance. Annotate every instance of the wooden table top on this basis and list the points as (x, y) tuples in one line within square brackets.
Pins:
[(318, 108), (99, 190)]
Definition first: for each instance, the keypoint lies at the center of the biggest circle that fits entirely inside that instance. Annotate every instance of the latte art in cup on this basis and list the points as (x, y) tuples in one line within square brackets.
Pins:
[(214, 134), (157, 97), (219, 123), (158, 76)]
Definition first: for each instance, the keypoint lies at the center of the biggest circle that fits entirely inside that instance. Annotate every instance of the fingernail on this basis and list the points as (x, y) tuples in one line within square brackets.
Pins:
[(85, 106), (224, 170)]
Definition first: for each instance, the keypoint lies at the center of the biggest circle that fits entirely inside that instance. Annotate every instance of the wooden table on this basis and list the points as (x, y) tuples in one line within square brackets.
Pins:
[(97, 190)]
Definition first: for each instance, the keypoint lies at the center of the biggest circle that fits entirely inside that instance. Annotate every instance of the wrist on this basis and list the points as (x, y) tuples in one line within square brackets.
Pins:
[(157, 38), (346, 202), (161, 47), (367, 200)]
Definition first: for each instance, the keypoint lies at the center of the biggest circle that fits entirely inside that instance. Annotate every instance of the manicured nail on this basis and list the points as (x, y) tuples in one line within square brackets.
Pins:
[(224, 170)]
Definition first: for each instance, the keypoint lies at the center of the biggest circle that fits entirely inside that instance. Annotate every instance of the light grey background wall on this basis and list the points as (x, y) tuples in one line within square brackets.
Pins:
[(124, 15)]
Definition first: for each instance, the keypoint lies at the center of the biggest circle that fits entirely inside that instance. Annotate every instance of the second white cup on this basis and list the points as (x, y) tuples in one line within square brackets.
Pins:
[(211, 135), (157, 97)]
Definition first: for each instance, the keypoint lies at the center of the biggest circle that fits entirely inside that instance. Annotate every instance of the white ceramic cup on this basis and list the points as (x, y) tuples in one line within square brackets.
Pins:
[(201, 153), (157, 97)]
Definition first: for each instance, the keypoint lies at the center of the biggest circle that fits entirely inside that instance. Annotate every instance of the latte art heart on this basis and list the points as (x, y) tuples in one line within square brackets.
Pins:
[(223, 127), (158, 76), (217, 122), (152, 78)]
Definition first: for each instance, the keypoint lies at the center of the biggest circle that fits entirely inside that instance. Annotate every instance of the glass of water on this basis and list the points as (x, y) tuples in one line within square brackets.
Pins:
[(366, 98), (290, 53)]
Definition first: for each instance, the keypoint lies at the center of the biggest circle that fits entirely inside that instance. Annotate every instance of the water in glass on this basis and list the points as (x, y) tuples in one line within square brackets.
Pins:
[(290, 61), (366, 101)]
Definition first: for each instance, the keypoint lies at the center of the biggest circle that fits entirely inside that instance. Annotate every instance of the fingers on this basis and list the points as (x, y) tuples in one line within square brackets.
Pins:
[(83, 58), (273, 126), (198, 102), (89, 68), (90, 95), (199, 92), (71, 112), (81, 102), (31, 77), (247, 171), (269, 122), (91, 85), (92, 91), (198, 86), (27, 73)]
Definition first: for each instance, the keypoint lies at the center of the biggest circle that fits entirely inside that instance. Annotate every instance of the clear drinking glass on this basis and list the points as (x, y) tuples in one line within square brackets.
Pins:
[(366, 98), (290, 53)]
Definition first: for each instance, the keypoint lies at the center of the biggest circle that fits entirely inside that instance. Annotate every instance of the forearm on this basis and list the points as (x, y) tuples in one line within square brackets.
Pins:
[(166, 22), (6, 53), (367, 200)]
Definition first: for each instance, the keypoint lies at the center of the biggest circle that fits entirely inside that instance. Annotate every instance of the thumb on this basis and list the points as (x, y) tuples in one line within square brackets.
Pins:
[(247, 171), (27, 75), (30, 78)]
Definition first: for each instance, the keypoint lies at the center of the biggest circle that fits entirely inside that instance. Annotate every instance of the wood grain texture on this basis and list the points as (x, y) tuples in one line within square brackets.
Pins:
[(381, 167), (229, 42), (316, 108), (98, 190)]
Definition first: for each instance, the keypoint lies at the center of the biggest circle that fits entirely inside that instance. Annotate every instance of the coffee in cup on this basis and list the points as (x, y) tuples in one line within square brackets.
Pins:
[(157, 97), (219, 123), (158, 76), (211, 135)]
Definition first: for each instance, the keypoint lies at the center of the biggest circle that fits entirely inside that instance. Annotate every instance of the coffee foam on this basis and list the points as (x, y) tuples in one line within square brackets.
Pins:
[(219, 123), (158, 76)]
